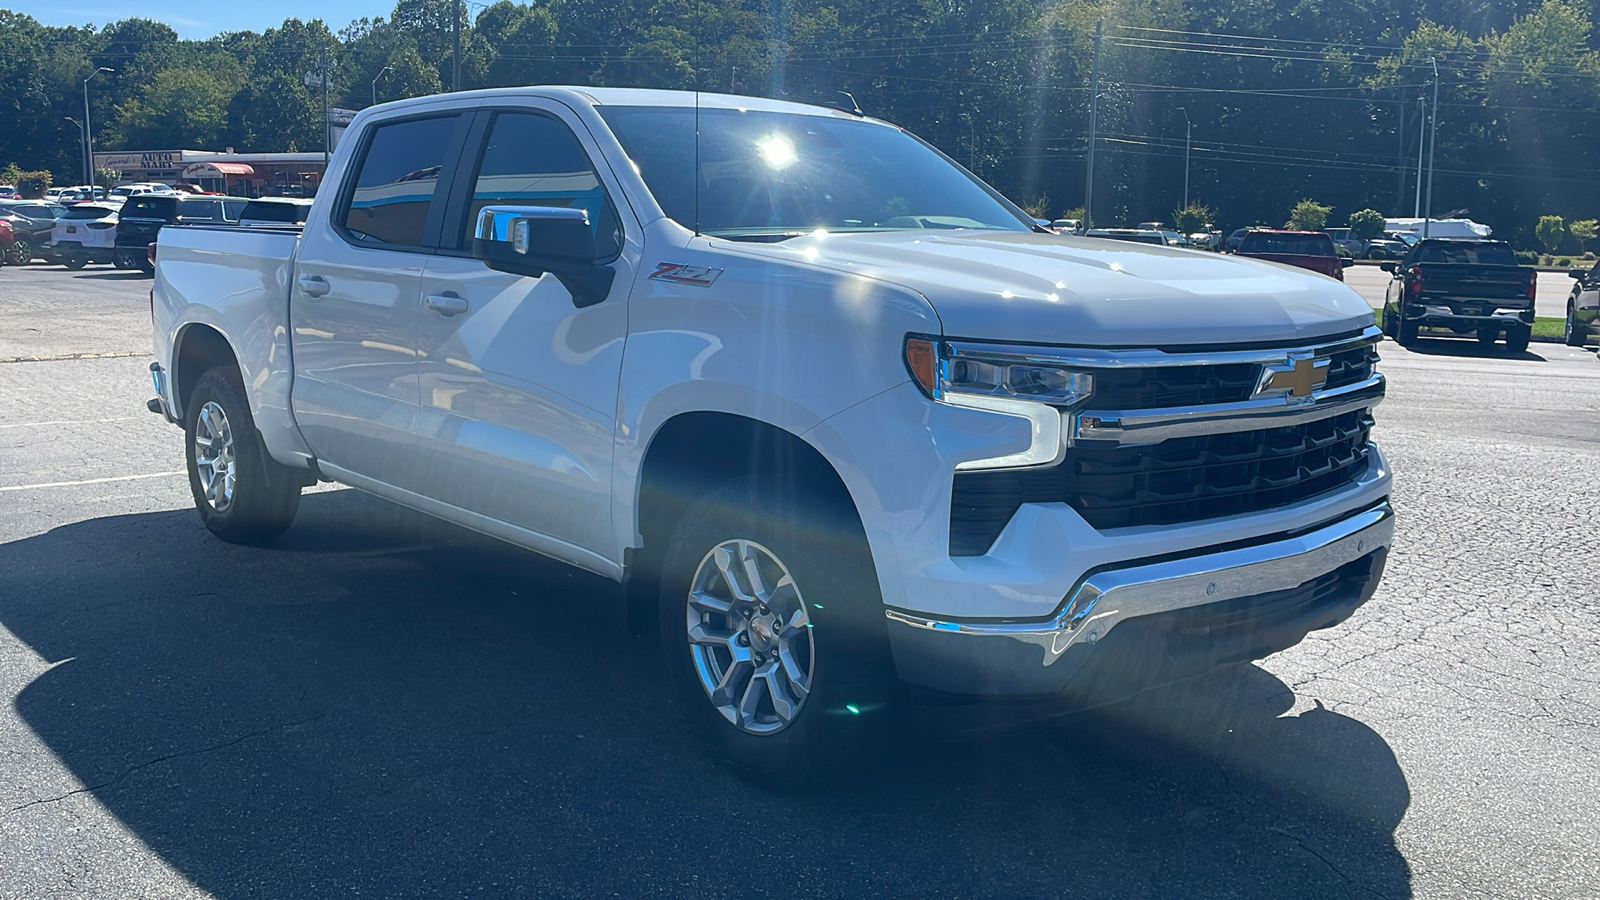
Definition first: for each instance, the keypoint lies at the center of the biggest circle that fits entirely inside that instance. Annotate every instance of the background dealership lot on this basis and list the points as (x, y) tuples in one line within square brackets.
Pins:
[(381, 705)]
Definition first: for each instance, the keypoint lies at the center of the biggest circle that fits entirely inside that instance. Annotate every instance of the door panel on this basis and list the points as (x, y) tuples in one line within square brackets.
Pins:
[(355, 299), (518, 388)]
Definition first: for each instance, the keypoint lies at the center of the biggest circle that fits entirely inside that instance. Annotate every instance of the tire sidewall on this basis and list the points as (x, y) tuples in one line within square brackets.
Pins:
[(832, 568)]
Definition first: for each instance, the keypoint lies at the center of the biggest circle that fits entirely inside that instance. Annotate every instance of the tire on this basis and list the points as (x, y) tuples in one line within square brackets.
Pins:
[(1517, 339), (242, 494), (1487, 336), (1406, 333), (1387, 325), (832, 657), (21, 253), (1574, 335), (75, 262)]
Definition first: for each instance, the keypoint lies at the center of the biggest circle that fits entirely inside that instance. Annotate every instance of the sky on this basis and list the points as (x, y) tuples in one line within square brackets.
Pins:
[(194, 19)]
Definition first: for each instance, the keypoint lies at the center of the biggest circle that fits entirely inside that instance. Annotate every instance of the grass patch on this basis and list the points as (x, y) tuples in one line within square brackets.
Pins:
[(1549, 327)]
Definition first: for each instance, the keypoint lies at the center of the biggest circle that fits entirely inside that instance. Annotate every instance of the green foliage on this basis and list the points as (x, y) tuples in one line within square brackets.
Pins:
[(1075, 212), (1192, 218), (1308, 215), (1584, 230), (107, 178), (31, 185), (1550, 231), (1037, 206), (1527, 257), (1366, 224)]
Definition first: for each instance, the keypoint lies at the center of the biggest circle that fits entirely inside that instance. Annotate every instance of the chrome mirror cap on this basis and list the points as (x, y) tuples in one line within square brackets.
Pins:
[(510, 223)]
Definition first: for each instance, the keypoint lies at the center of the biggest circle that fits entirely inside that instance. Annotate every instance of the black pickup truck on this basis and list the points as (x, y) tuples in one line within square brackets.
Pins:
[(1465, 287)]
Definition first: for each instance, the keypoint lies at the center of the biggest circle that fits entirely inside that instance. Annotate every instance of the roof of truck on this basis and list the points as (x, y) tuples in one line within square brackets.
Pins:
[(614, 96)]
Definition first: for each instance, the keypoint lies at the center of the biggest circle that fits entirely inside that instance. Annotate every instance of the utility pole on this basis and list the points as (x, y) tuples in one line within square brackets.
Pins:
[(1433, 135), (88, 134), (386, 69), (1422, 138), (1094, 109), (1187, 129), (327, 129), (455, 38)]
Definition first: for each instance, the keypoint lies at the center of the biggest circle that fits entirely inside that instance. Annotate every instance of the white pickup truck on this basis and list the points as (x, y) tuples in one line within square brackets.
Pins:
[(850, 428)]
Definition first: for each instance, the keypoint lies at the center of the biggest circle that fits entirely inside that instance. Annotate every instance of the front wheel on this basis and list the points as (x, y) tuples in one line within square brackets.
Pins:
[(1574, 335), (243, 495), (773, 629), (21, 252)]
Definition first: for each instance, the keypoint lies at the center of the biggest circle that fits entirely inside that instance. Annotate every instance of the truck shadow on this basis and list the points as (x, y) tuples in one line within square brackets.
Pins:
[(385, 705), (1438, 345)]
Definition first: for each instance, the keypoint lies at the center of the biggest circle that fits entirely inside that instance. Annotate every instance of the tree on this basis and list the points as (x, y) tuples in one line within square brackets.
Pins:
[(1366, 224), (107, 178), (1192, 218), (1308, 215), (1550, 231), (1585, 230)]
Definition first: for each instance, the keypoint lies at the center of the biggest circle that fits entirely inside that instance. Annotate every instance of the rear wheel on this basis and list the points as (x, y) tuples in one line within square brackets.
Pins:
[(243, 495), (1406, 333), (1517, 339), (773, 629), (75, 262)]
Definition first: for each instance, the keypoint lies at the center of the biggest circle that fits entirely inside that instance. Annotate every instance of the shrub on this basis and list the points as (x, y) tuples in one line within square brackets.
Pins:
[(31, 185), (1366, 224), (1527, 258), (1308, 215), (1563, 263), (1550, 231)]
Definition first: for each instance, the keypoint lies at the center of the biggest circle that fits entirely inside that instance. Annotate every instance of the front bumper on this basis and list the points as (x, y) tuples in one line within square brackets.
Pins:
[(1124, 629)]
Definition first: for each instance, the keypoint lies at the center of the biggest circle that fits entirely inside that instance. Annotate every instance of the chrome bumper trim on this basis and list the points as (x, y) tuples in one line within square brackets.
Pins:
[(1152, 426), (1109, 597), (1095, 358)]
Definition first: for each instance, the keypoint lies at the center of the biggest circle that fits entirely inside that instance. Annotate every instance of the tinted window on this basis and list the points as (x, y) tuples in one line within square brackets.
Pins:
[(534, 160), (198, 209), (87, 212), (150, 207), (231, 209), (397, 181), (287, 213), (1466, 254), (1290, 244)]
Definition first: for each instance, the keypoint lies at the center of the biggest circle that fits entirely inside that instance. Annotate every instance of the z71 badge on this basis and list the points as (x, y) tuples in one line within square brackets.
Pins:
[(678, 273)]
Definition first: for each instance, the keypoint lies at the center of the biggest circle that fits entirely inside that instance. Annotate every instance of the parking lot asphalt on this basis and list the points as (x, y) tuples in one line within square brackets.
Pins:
[(381, 705)]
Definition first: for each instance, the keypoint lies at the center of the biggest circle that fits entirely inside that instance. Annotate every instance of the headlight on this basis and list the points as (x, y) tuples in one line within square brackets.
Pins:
[(993, 380)]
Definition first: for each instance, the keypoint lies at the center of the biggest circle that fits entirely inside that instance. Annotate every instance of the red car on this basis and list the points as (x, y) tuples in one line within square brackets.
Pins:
[(1312, 250), (8, 241)]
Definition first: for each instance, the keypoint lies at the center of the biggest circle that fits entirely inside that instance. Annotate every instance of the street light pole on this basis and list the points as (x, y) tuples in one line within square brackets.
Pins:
[(375, 83), (88, 134), (1422, 138), (1094, 108), (1433, 136), (455, 37), (1187, 129), (80, 132)]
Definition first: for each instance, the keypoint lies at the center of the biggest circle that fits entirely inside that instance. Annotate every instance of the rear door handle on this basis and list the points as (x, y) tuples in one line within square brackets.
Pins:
[(445, 304), (312, 285)]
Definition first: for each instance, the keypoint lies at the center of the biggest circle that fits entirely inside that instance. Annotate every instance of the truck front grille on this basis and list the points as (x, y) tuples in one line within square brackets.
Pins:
[(1176, 481), (1160, 387)]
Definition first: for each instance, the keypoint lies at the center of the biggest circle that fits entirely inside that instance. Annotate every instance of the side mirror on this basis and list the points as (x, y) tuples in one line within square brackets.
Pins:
[(1346, 262), (1389, 266), (533, 240)]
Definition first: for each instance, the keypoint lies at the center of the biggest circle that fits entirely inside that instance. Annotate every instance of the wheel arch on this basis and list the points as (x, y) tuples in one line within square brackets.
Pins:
[(197, 348), (693, 452)]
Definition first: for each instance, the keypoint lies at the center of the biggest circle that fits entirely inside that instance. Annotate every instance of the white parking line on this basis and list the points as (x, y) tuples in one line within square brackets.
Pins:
[(71, 422), (56, 484)]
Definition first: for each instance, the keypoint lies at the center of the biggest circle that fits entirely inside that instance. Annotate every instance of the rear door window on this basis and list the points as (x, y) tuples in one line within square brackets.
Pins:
[(397, 182)]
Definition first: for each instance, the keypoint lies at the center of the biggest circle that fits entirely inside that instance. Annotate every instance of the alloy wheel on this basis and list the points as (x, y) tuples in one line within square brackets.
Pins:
[(750, 637), (214, 456)]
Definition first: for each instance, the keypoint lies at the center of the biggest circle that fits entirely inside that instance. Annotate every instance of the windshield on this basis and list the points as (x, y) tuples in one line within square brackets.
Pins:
[(151, 207), (1289, 244), (765, 176)]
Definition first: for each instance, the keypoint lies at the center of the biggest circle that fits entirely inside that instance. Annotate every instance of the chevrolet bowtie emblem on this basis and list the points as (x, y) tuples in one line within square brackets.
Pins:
[(1295, 379)]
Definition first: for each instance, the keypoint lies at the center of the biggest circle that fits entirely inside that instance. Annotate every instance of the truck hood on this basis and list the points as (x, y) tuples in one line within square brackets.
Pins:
[(1054, 289)]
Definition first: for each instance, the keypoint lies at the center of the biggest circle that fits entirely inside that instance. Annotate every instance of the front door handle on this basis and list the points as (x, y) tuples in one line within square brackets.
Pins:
[(445, 304), (312, 285)]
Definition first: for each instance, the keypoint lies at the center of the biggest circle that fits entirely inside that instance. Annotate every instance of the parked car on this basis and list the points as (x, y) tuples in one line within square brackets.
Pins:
[(744, 406), (9, 192), (1583, 308), (8, 240), (144, 215), (1466, 287), (1312, 250), (140, 187), (31, 221), (1385, 248), (275, 211), (1408, 238), (1344, 239), (1210, 240), (1237, 237), (86, 233), (1135, 235), (1068, 226)]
